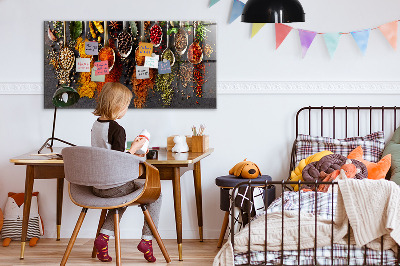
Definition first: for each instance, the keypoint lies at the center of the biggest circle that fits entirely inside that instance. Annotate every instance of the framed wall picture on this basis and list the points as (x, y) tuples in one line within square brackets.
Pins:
[(166, 64)]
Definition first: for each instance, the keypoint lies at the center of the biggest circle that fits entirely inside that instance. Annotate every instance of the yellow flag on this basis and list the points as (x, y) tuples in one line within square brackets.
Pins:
[(256, 27)]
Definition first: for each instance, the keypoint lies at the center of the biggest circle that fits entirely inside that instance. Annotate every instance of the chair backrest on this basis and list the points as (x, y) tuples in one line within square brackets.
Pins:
[(92, 166)]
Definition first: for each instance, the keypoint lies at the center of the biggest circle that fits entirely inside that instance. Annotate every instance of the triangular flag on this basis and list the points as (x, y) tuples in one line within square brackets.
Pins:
[(237, 9), (256, 28), (390, 32), (332, 41), (306, 39), (281, 31), (213, 2), (361, 37)]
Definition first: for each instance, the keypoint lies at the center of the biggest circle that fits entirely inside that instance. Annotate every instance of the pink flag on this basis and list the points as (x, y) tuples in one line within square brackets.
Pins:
[(306, 39), (281, 31), (389, 30)]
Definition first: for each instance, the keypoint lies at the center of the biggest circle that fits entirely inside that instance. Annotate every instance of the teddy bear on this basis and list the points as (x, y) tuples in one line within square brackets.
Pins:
[(245, 169), (180, 144), (13, 215)]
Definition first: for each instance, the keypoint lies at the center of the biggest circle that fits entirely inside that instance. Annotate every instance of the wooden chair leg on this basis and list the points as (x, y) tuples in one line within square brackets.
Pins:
[(154, 230), (117, 238), (101, 222), (223, 229), (73, 237)]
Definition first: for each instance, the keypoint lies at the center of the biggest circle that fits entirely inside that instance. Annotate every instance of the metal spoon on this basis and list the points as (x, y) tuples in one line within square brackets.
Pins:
[(130, 40), (106, 45), (181, 31), (168, 50)]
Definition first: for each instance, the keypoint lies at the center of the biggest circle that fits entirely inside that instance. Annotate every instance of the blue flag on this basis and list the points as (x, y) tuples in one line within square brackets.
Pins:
[(332, 41), (237, 9), (361, 38)]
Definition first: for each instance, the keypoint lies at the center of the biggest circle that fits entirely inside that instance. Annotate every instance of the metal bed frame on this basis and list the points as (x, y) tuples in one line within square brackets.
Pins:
[(284, 184)]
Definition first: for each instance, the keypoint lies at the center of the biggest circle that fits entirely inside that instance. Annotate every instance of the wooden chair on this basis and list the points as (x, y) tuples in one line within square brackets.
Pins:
[(85, 167)]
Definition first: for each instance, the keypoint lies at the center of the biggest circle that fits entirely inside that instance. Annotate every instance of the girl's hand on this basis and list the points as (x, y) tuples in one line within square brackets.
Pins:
[(137, 144), (143, 155)]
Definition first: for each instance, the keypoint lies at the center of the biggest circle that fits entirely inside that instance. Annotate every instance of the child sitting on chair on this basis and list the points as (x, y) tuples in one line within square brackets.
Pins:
[(113, 103)]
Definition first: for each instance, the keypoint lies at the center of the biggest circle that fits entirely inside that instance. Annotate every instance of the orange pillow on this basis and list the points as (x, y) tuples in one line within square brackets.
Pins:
[(375, 170)]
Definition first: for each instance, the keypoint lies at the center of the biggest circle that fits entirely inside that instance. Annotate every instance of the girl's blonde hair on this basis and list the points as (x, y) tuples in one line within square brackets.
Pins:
[(112, 99)]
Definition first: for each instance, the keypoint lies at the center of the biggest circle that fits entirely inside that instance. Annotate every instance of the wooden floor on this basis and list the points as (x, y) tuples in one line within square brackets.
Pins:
[(50, 252)]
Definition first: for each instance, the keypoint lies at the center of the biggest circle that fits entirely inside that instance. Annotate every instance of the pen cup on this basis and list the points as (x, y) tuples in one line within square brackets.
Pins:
[(200, 143)]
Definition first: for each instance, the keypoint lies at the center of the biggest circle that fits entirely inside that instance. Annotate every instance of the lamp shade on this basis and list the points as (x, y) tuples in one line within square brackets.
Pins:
[(65, 96), (273, 11)]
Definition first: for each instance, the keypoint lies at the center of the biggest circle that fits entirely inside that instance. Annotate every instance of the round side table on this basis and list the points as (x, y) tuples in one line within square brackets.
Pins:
[(226, 183)]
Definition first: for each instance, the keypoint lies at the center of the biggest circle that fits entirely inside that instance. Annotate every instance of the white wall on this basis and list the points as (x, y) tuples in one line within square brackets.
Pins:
[(259, 127)]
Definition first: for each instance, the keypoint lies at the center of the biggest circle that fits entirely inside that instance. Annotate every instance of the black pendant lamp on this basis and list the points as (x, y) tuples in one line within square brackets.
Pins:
[(273, 11)]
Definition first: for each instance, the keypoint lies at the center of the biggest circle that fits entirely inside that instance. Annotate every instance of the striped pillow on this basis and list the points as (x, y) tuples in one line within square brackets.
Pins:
[(372, 145)]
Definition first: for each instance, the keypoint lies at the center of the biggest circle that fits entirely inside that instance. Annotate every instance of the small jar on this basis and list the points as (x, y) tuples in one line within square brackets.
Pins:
[(144, 134)]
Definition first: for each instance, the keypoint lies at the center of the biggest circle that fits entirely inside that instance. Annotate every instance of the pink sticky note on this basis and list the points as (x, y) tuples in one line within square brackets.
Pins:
[(102, 68)]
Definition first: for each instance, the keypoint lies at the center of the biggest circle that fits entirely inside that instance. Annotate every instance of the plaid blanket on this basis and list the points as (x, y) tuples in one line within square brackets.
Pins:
[(323, 205)]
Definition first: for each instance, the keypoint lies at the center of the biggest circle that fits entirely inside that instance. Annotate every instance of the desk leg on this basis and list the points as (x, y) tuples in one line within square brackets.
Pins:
[(60, 190), (199, 204), (27, 206), (176, 182)]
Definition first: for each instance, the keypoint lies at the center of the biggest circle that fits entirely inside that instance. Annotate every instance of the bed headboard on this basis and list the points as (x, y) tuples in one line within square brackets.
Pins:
[(344, 121)]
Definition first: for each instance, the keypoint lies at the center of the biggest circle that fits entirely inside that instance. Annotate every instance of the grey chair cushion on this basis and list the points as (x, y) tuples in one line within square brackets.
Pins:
[(83, 196)]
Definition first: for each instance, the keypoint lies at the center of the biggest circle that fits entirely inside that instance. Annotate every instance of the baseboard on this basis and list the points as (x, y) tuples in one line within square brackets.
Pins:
[(258, 87)]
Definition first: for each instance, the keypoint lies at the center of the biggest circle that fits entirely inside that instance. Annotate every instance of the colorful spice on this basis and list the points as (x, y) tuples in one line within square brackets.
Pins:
[(198, 75), (163, 85), (86, 87), (169, 55), (99, 26), (51, 36), (58, 29), (115, 25), (75, 29), (195, 53), (181, 41), (208, 50), (124, 43), (134, 28), (185, 74), (139, 59), (116, 72), (156, 35), (67, 58), (107, 54), (140, 88), (92, 30)]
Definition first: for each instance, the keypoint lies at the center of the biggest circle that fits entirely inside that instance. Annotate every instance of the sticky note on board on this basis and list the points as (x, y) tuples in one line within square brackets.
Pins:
[(100, 78), (164, 67), (151, 62), (91, 48), (145, 49), (142, 72), (102, 68), (82, 65)]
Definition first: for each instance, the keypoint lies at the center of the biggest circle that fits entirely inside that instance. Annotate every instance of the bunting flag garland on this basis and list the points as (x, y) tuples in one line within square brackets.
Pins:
[(361, 37), (389, 30), (256, 27), (237, 8), (306, 39), (213, 2), (281, 31), (332, 41)]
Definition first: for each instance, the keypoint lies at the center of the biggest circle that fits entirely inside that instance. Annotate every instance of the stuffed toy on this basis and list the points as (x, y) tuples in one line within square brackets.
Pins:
[(245, 169), (296, 174), (375, 170), (1, 219), (180, 144), (13, 215)]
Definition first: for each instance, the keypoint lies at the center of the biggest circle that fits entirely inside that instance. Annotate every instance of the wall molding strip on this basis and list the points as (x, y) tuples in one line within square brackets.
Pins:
[(259, 87)]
